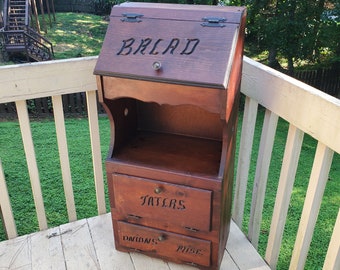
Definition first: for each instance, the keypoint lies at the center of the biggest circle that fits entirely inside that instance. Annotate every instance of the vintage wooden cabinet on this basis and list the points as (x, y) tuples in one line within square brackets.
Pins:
[(168, 76)]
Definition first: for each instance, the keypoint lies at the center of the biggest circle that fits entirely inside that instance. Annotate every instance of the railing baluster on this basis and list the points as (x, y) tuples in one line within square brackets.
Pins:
[(292, 100), (284, 191), (96, 153), (6, 208), (246, 143), (316, 187), (332, 260), (64, 158), (261, 175), (26, 135)]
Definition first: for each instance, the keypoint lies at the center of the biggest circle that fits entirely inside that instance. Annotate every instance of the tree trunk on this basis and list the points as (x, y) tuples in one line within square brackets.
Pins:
[(316, 32), (290, 66), (272, 60)]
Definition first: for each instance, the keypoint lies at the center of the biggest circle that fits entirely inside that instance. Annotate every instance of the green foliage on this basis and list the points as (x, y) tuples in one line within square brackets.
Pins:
[(298, 30), (103, 7), (329, 38)]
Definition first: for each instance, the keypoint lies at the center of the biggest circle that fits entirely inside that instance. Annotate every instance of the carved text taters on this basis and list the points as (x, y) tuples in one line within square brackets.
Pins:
[(158, 201)]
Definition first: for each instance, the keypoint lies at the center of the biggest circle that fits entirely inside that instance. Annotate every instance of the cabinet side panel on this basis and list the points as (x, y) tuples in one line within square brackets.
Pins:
[(124, 117)]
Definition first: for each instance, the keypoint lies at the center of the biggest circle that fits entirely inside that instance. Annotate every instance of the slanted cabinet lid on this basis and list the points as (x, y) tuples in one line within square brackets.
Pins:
[(182, 44)]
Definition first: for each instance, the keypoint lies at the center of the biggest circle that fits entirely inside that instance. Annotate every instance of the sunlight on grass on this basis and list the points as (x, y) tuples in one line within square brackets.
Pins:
[(77, 35)]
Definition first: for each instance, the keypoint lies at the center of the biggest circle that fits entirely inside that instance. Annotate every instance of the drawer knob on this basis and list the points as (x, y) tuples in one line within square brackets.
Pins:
[(161, 238), (156, 65), (158, 190)]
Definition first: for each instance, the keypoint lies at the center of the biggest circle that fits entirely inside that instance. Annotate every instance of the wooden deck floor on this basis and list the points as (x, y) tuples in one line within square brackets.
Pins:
[(88, 244)]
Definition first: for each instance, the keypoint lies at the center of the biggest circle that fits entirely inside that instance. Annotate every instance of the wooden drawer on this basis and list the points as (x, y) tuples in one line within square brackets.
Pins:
[(168, 204), (164, 244)]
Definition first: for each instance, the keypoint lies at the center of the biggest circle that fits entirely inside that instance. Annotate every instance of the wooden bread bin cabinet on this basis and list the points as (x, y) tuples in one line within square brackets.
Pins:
[(168, 76)]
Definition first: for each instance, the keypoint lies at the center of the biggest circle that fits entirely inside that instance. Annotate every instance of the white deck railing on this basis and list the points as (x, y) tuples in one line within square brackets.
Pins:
[(307, 110)]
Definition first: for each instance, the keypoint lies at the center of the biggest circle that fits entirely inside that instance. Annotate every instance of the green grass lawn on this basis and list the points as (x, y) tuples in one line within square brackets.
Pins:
[(45, 142), (77, 35), (43, 132)]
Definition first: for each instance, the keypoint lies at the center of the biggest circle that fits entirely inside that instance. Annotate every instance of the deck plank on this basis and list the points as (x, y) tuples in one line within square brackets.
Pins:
[(47, 251), (15, 253), (228, 263), (78, 246), (175, 266), (242, 252), (89, 244), (102, 236), (143, 262)]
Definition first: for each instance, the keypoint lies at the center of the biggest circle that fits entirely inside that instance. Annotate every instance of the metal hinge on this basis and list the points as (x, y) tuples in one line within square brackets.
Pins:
[(131, 17), (133, 216), (213, 22), (191, 229)]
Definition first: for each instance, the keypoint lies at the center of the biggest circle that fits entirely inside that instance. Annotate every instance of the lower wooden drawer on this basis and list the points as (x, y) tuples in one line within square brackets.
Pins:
[(151, 201), (164, 244)]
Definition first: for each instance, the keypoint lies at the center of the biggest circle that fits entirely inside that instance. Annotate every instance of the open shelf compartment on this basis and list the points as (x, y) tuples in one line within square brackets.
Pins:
[(184, 139)]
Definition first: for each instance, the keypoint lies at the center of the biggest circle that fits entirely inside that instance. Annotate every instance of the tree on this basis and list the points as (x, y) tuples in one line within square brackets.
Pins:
[(329, 32), (294, 29)]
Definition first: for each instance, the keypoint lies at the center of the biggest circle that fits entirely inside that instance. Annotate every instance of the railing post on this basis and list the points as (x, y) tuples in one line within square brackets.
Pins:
[(261, 175), (27, 15), (63, 154), (31, 162), (6, 212), (284, 191), (246, 143), (316, 187), (332, 260), (5, 14), (96, 153)]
